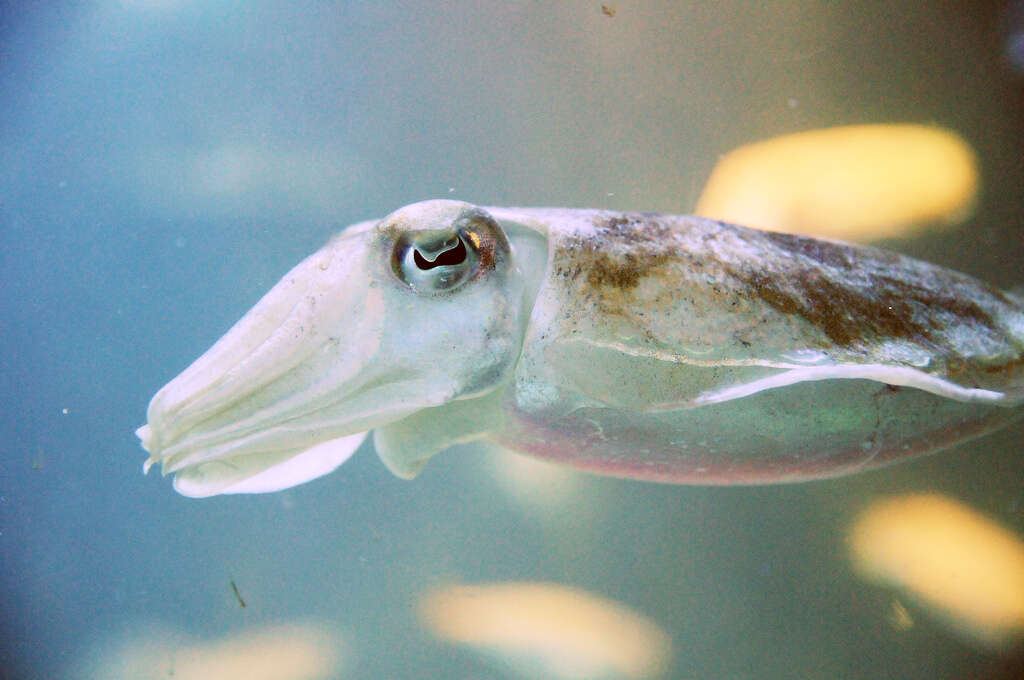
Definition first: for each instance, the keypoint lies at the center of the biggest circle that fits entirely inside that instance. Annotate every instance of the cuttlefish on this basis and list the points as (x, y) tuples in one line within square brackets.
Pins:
[(656, 347)]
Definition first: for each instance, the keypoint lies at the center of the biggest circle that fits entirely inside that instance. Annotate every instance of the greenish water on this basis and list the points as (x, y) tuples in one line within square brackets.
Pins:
[(163, 163)]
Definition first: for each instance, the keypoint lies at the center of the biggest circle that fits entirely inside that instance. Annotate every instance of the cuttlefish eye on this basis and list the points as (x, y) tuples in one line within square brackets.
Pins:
[(441, 260)]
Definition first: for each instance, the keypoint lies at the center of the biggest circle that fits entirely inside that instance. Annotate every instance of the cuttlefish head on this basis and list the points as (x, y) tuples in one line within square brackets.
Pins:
[(391, 317)]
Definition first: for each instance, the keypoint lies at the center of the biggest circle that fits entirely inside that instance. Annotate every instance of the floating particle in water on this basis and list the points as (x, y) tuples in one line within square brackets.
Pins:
[(238, 595)]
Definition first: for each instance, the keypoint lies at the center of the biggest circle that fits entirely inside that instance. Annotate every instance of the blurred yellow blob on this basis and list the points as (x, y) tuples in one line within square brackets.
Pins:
[(957, 562), (549, 630), (858, 183), (538, 484), (284, 652)]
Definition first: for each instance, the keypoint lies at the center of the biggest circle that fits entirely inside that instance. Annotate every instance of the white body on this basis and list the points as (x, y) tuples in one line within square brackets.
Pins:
[(658, 347)]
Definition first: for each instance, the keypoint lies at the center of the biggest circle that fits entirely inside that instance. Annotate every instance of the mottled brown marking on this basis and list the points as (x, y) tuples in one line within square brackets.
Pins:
[(634, 227), (766, 289), (855, 296), (623, 272), (879, 307), (649, 250), (977, 374), (825, 252)]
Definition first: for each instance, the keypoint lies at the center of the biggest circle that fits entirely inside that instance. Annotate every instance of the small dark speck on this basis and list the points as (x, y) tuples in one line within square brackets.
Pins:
[(608, 10), (238, 595)]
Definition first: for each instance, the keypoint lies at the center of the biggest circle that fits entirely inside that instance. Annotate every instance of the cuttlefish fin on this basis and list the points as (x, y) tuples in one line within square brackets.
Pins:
[(901, 376), (254, 473), (405, 446)]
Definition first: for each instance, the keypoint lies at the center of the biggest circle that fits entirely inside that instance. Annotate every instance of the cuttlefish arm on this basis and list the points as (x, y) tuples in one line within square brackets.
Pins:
[(650, 346), (211, 426), (365, 332)]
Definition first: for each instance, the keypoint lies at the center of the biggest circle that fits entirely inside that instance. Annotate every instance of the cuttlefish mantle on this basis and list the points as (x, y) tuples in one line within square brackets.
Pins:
[(658, 347)]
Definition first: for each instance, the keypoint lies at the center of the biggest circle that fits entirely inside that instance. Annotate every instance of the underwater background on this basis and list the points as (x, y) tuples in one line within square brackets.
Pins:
[(164, 162)]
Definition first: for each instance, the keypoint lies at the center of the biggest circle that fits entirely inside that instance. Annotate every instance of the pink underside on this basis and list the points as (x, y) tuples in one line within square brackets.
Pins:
[(702, 467)]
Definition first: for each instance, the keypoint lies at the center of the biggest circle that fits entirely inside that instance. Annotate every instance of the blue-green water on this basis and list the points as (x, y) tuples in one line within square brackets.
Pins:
[(161, 165)]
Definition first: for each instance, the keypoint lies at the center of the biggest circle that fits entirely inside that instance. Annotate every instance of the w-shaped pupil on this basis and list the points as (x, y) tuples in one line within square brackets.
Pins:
[(454, 255)]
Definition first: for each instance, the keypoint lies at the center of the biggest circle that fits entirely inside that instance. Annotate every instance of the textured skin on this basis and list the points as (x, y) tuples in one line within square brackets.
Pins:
[(685, 285), (646, 324)]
